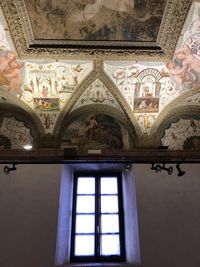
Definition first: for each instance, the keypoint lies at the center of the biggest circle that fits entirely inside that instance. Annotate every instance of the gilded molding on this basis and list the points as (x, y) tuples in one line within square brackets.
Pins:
[(163, 49), (172, 24)]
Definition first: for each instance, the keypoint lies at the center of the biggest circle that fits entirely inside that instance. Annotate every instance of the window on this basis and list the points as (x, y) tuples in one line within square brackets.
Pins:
[(64, 246), (97, 218)]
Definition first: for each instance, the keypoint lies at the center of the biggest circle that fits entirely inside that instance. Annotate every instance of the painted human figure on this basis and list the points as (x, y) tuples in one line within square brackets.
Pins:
[(189, 61), (90, 127), (56, 85), (13, 75), (10, 70), (50, 83), (38, 83), (32, 85), (44, 91), (4, 61), (177, 73)]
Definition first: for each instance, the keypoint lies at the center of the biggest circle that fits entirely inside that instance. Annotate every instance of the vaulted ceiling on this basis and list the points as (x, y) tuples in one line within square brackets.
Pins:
[(99, 76)]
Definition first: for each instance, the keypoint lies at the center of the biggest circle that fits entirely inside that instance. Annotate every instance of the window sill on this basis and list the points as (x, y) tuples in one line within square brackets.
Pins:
[(104, 264)]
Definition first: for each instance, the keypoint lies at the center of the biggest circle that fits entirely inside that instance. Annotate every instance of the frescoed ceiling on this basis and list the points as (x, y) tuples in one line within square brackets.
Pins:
[(134, 28), (54, 99)]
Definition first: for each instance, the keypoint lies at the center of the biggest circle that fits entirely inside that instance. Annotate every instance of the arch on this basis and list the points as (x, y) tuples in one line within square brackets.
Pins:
[(170, 109), (10, 110), (16, 104), (181, 112)]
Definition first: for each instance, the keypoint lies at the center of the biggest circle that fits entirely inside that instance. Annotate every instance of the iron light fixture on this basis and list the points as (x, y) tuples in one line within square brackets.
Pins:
[(7, 169), (180, 172), (158, 168)]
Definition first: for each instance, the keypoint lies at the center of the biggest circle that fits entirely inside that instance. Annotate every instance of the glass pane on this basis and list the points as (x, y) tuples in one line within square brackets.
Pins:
[(85, 204), (84, 245), (109, 185), (109, 223), (110, 245), (86, 185), (109, 204), (84, 224)]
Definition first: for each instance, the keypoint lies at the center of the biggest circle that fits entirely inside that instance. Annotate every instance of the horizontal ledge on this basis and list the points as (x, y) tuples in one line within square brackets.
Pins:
[(99, 265), (112, 156)]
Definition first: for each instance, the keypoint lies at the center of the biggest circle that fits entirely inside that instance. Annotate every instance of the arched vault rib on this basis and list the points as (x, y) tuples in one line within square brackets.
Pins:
[(98, 73), (73, 99), (121, 100)]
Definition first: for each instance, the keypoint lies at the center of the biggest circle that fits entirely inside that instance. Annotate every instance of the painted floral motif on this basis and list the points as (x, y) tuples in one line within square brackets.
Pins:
[(179, 132), (16, 132), (191, 100), (146, 121), (97, 93), (48, 120)]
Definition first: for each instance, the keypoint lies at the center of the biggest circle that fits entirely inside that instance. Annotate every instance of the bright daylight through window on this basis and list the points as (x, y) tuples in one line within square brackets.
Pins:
[(97, 220)]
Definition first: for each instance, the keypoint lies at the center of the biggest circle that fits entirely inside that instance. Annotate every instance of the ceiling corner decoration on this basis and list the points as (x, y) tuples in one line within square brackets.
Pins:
[(183, 134), (138, 29), (14, 134)]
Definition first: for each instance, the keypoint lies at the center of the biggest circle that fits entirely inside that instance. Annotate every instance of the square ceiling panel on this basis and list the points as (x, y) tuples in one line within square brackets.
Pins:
[(113, 28)]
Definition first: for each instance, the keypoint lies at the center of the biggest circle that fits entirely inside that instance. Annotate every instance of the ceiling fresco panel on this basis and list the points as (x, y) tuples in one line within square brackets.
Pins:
[(96, 130), (92, 20), (134, 28)]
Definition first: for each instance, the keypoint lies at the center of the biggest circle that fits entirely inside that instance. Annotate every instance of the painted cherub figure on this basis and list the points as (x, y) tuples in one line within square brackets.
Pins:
[(177, 73), (10, 71), (189, 62), (13, 75)]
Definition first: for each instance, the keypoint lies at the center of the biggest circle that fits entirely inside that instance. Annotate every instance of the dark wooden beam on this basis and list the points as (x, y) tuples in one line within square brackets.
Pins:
[(132, 156)]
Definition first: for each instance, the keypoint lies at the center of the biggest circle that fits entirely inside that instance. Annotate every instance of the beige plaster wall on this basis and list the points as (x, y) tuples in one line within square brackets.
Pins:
[(168, 210), (28, 215), (169, 217)]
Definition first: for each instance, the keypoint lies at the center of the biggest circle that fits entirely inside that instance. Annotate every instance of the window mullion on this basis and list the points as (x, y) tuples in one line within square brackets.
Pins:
[(97, 227)]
